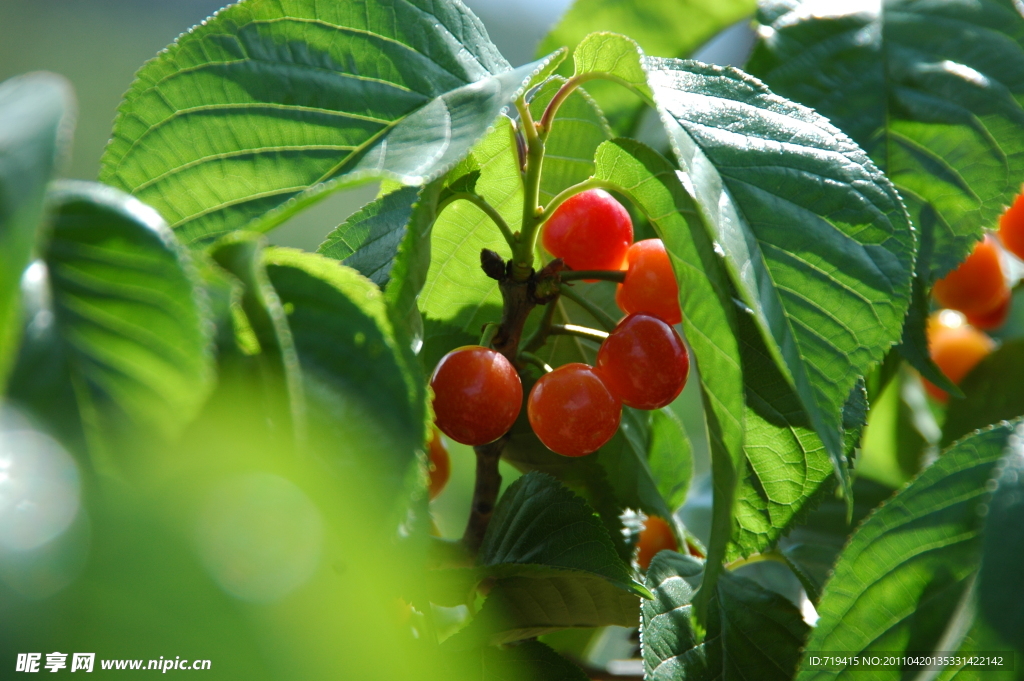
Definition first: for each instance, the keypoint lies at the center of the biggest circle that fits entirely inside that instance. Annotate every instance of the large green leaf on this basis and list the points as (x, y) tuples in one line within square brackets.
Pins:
[(709, 317), (117, 335), (788, 467), (666, 28), (991, 395), (354, 369), (35, 121), (816, 240), (1000, 591), (752, 633), (268, 99), (670, 457), (932, 91), (905, 571)]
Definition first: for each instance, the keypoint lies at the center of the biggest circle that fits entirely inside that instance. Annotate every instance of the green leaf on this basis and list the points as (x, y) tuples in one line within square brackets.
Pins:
[(36, 113), (902, 575), (368, 241), (117, 336), (670, 457), (354, 369), (1000, 592), (578, 129), (666, 28), (788, 467), (602, 55), (752, 632), (830, 297), (991, 396), (527, 661), (268, 100), (457, 297), (671, 649), (539, 522), (709, 317), (933, 92)]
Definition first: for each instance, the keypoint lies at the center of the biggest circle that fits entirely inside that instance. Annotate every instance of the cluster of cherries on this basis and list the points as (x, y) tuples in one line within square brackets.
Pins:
[(976, 298), (575, 409)]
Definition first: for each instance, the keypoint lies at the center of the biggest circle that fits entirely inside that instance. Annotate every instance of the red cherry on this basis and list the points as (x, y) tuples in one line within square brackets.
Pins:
[(439, 466), (977, 286), (995, 318), (656, 536), (650, 284), (572, 412), (477, 395), (1011, 227), (643, 362), (589, 231)]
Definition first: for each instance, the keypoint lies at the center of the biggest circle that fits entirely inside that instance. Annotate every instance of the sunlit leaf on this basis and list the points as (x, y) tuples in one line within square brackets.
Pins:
[(267, 100)]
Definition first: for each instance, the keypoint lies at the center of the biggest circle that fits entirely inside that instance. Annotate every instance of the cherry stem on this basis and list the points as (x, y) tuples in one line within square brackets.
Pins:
[(489, 210), (548, 117), (523, 253), (536, 361), (485, 492), (597, 313), (604, 275), (536, 340), (560, 198), (580, 331)]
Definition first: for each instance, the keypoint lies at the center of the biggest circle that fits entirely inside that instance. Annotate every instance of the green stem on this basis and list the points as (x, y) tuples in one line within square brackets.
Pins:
[(489, 210), (604, 275), (559, 199), (597, 313), (490, 330), (548, 117), (522, 258), (537, 338), (579, 331), (536, 361)]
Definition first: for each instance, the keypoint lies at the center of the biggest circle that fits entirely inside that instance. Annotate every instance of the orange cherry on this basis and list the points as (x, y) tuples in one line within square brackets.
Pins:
[(1011, 227), (977, 286), (656, 536), (956, 347)]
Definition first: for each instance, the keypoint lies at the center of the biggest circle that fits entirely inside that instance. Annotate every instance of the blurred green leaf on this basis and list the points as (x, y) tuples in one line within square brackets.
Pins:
[(751, 633), (666, 28), (36, 114), (991, 394), (830, 297), (903, 574), (354, 370), (265, 101), (932, 91), (117, 338), (709, 322), (1000, 591)]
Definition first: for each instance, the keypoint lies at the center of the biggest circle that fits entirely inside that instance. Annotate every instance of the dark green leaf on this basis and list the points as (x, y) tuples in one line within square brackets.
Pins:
[(903, 574), (993, 393), (816, 240), (709, 317), (752, 633), (354, 370), (527, 661), (665, 28), (36, 113), (368, 240), (267, 100), (539, 522), (1000, 591), (116, 336), (931, 90)]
